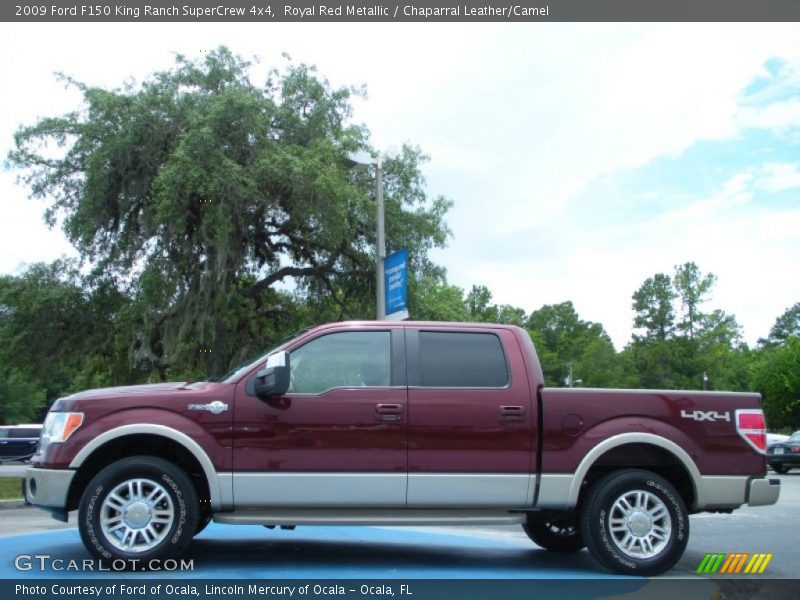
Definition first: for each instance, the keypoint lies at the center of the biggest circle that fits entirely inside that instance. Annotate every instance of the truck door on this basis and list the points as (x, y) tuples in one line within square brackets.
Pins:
[(338, 437), (470, 419)]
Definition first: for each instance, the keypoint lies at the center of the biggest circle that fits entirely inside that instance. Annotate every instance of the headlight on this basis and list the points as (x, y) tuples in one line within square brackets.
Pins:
[(58, 426)]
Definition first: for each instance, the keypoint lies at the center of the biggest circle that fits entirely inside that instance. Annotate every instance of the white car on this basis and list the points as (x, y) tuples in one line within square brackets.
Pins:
[(776, 438)]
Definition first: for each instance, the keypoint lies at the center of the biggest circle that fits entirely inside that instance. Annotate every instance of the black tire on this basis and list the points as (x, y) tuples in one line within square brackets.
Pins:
[(661, 522), (133, 499), (203, 522), (780, 469), (559, 534)]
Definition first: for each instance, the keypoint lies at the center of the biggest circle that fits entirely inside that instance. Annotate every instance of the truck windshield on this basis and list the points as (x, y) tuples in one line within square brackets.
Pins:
[(233, 375)]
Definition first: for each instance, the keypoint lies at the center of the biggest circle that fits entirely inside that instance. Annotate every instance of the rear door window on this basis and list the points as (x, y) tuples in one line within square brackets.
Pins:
[(462, 360)]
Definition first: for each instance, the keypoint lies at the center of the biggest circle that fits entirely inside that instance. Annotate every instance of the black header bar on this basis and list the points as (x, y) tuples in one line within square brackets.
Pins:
[(221, 11), (133, 588)]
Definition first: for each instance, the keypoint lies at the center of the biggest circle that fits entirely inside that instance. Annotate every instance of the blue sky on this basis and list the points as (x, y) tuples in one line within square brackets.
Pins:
[(582, 158)]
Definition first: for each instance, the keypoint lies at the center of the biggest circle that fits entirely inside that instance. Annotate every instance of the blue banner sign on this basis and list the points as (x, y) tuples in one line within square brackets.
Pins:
[(395, 277)]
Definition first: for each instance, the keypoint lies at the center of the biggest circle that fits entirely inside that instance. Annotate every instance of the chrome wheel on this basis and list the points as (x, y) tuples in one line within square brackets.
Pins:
[(640, 524), (635, 522), (137, 515)]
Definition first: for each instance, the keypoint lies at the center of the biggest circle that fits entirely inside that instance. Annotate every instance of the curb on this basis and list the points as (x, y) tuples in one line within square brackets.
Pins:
[(7, 504)]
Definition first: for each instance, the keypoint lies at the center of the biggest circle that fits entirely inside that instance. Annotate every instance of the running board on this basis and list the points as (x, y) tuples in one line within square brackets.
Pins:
[(360, 516)]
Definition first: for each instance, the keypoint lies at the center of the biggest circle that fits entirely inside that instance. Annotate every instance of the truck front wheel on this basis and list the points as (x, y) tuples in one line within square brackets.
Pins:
[(634, 522), (559, 534), (140, 508)]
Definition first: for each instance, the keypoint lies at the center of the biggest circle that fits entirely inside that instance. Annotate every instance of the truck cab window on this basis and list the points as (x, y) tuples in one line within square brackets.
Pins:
[(462, 360), (345, 359)]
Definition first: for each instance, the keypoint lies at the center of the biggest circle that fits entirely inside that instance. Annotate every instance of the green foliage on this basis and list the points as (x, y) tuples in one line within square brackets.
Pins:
[(728, 368), (721, 354), (652, 303), (10, 488), (479, 305), (776, 375), (703, 351), (58, 334), (565, 337), (201, 194), (511, 315), (665, 365), (432, 300), (692, 288), (599, 365), (21, 401), (787, 325)]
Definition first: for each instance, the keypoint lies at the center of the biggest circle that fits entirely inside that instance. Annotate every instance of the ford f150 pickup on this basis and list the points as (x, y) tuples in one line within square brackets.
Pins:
[(401, 423)]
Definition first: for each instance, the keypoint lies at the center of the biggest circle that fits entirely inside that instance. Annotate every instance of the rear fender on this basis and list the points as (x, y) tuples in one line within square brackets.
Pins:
[(623, 439)]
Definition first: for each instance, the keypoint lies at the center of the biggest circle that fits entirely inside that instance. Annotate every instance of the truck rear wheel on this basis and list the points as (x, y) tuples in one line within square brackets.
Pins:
[(202, 522), (559, 534), (140, 508), (634, 522)]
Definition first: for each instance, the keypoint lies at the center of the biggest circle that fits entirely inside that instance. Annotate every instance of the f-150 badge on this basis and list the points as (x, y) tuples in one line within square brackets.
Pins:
[(706, 415), (216, 407)]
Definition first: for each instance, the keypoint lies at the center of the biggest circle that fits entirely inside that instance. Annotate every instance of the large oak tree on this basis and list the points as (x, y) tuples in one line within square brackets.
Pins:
[(213, 201)]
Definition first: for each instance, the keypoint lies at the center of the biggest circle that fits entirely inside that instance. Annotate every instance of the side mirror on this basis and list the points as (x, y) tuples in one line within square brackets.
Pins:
[(273, 379)]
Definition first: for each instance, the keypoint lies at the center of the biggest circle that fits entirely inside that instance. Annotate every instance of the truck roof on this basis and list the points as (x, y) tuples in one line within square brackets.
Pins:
[(426, 324)]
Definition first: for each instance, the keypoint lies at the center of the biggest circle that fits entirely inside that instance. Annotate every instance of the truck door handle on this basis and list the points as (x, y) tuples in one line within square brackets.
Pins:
[(512, 413), (389, 413)]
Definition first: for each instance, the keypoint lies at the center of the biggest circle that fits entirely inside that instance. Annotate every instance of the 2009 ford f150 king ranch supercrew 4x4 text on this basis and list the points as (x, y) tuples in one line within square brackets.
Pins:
[(401, 423)]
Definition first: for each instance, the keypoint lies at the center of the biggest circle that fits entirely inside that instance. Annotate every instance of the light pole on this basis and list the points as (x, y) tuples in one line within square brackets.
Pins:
[(380, 283), (569, 380), (362, 159)]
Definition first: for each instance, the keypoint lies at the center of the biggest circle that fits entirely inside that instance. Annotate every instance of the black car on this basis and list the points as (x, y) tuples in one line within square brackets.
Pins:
[(18, 442), (785, 455)]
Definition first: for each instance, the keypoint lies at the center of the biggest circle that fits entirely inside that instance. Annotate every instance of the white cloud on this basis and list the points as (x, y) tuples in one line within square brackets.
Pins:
[(779, 116), (736, 190), (753, 252), (779, 177), (24, 237)]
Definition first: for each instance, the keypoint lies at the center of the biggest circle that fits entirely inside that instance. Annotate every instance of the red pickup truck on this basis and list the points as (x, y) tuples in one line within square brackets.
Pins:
[(401, 423)]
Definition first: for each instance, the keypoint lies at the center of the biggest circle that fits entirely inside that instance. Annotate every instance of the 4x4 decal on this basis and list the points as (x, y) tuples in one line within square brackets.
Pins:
[(706, 415)]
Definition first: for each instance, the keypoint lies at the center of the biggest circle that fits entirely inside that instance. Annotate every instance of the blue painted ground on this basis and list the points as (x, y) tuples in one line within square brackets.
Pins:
[(227, 552)]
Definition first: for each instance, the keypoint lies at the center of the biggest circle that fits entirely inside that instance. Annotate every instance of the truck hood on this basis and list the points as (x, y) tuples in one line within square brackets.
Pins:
[(149, 388), (175, 396)]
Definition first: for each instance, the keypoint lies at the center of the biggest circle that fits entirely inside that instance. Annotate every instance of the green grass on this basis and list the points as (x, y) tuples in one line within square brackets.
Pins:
[(10, 488)]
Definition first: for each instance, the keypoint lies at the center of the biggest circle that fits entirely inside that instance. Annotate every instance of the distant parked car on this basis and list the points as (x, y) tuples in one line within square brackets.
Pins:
[(18, 442), (785, 455), (776, 438)]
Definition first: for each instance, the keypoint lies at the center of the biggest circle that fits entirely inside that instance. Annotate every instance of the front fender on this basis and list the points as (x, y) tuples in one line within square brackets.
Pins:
[(194, 437)]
